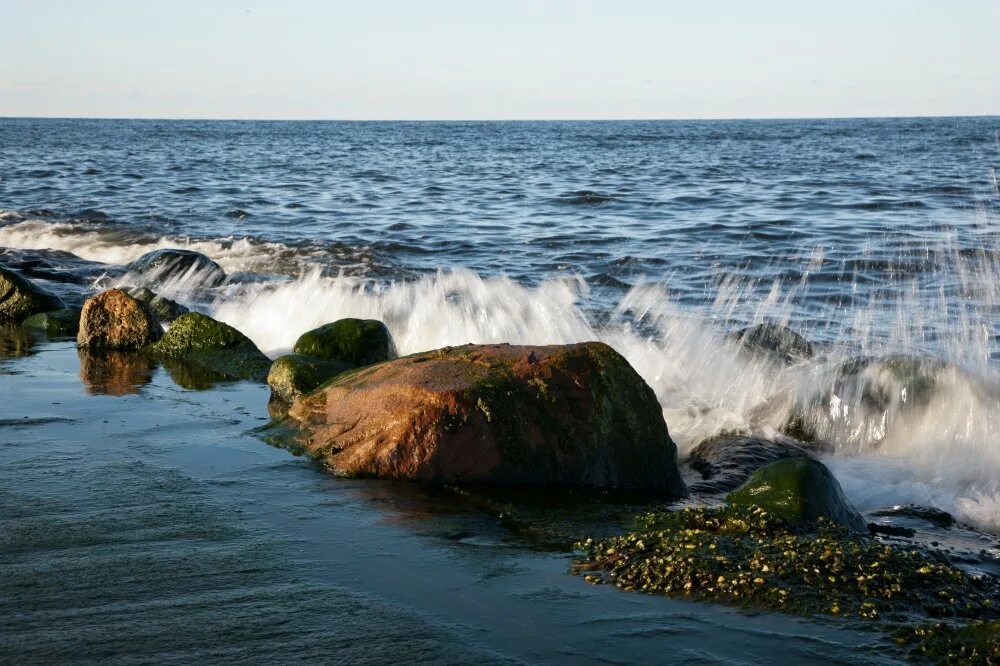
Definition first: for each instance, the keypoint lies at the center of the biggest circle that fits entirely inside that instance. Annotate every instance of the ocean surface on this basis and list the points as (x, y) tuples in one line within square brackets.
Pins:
[(878, 240)]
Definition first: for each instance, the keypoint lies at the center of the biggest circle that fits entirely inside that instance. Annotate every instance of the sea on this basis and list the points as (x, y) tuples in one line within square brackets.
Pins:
[(151, 524)]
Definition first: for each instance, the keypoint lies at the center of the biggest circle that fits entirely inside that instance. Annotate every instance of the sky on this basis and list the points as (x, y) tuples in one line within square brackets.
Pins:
[(506, 59)]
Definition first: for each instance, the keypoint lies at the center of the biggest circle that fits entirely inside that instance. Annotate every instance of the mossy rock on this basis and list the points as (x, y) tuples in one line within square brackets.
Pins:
[(216, 347), (19, 298), (294, 375), (55, 323), (355, 341), (774, 341), (944, 643), (165, 309), (799, 489)]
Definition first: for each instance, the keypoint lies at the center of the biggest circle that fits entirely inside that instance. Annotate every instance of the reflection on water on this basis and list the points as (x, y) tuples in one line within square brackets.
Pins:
[(194, 377), (114, 372)]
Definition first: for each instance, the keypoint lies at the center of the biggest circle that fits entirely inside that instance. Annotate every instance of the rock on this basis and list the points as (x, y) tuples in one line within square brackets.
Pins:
[(110, 372), (171, 264), (294, 375), (165, 309), (562, 414), (219, 348), (115, 320), (55, 323), (19, 299), (776, 342), (928, 514), (355, 341), (799, 490), (726, 461)]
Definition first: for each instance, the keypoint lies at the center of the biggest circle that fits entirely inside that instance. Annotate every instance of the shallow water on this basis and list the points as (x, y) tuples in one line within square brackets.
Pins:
[(875, 239)]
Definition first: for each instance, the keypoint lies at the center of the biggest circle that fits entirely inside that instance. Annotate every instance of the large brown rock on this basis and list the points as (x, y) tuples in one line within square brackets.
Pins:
[(573, 414), (115, 320)]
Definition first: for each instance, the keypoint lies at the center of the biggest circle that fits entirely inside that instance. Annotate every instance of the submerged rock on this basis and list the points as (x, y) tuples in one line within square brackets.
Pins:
[(165, 309), (216, 347), (115, 320), (567, 414), (799, 490), (355, 341), (293, 375), (774, 341), (19, 298), (55, 323), (725, 462), (928, 514), (171, 264)]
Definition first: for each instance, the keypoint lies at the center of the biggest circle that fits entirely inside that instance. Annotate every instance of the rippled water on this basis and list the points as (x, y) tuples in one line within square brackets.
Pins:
[(878, 240)]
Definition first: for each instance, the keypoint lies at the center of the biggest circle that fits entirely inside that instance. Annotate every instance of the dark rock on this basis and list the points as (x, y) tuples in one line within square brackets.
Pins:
[(355, 341), (165, 309), (115, 320), (726, 461), (19, 299), (776, 342), (798, 490), (293, 375), (928, 514), (891, 530), (562, 414), (55, 323), (163, 265), (218, 348)]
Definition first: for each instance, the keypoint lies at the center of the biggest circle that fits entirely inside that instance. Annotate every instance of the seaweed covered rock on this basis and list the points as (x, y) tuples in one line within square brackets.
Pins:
[(115, 320), (726, 461), (199, 340), (773, 341), (799, 489), (171, 264), (355, 341), (953, 643), (563, 414), (750, 557), (19, 298), (165, 309), (294, 375), (55, 323)]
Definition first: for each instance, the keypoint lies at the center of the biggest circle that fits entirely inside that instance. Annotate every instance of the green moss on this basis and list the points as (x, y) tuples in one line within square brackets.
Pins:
[(216, 347), (798, 489), (294, 375), (20, 299), (750, 557), (55, 323), (353, 341)]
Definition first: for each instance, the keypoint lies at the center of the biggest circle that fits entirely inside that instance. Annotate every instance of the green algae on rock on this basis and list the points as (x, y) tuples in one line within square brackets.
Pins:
[(216, 347), (798, 489), (55, 323), (165, 309), (950, 643), (355, 341), (293, 375), (747, 556), (20, 298)]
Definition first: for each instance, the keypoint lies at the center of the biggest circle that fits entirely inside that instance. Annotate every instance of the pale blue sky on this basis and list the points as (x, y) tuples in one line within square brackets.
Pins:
[(471, 59)]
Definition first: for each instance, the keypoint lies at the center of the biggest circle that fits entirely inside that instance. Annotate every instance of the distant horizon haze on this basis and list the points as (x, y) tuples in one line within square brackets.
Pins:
[(448, 60)]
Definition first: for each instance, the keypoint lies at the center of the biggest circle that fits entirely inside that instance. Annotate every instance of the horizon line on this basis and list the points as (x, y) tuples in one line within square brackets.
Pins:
[(499, 120)]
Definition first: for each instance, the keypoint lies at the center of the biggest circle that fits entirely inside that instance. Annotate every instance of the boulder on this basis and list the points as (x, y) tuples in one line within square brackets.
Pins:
[(165, 309), (355, 341), (726, 461), (115, 320), (171, 264), (799, 490), (211, 345), (20, 298), (55, 323), (773, 341), (563, 414), (294, 375)]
